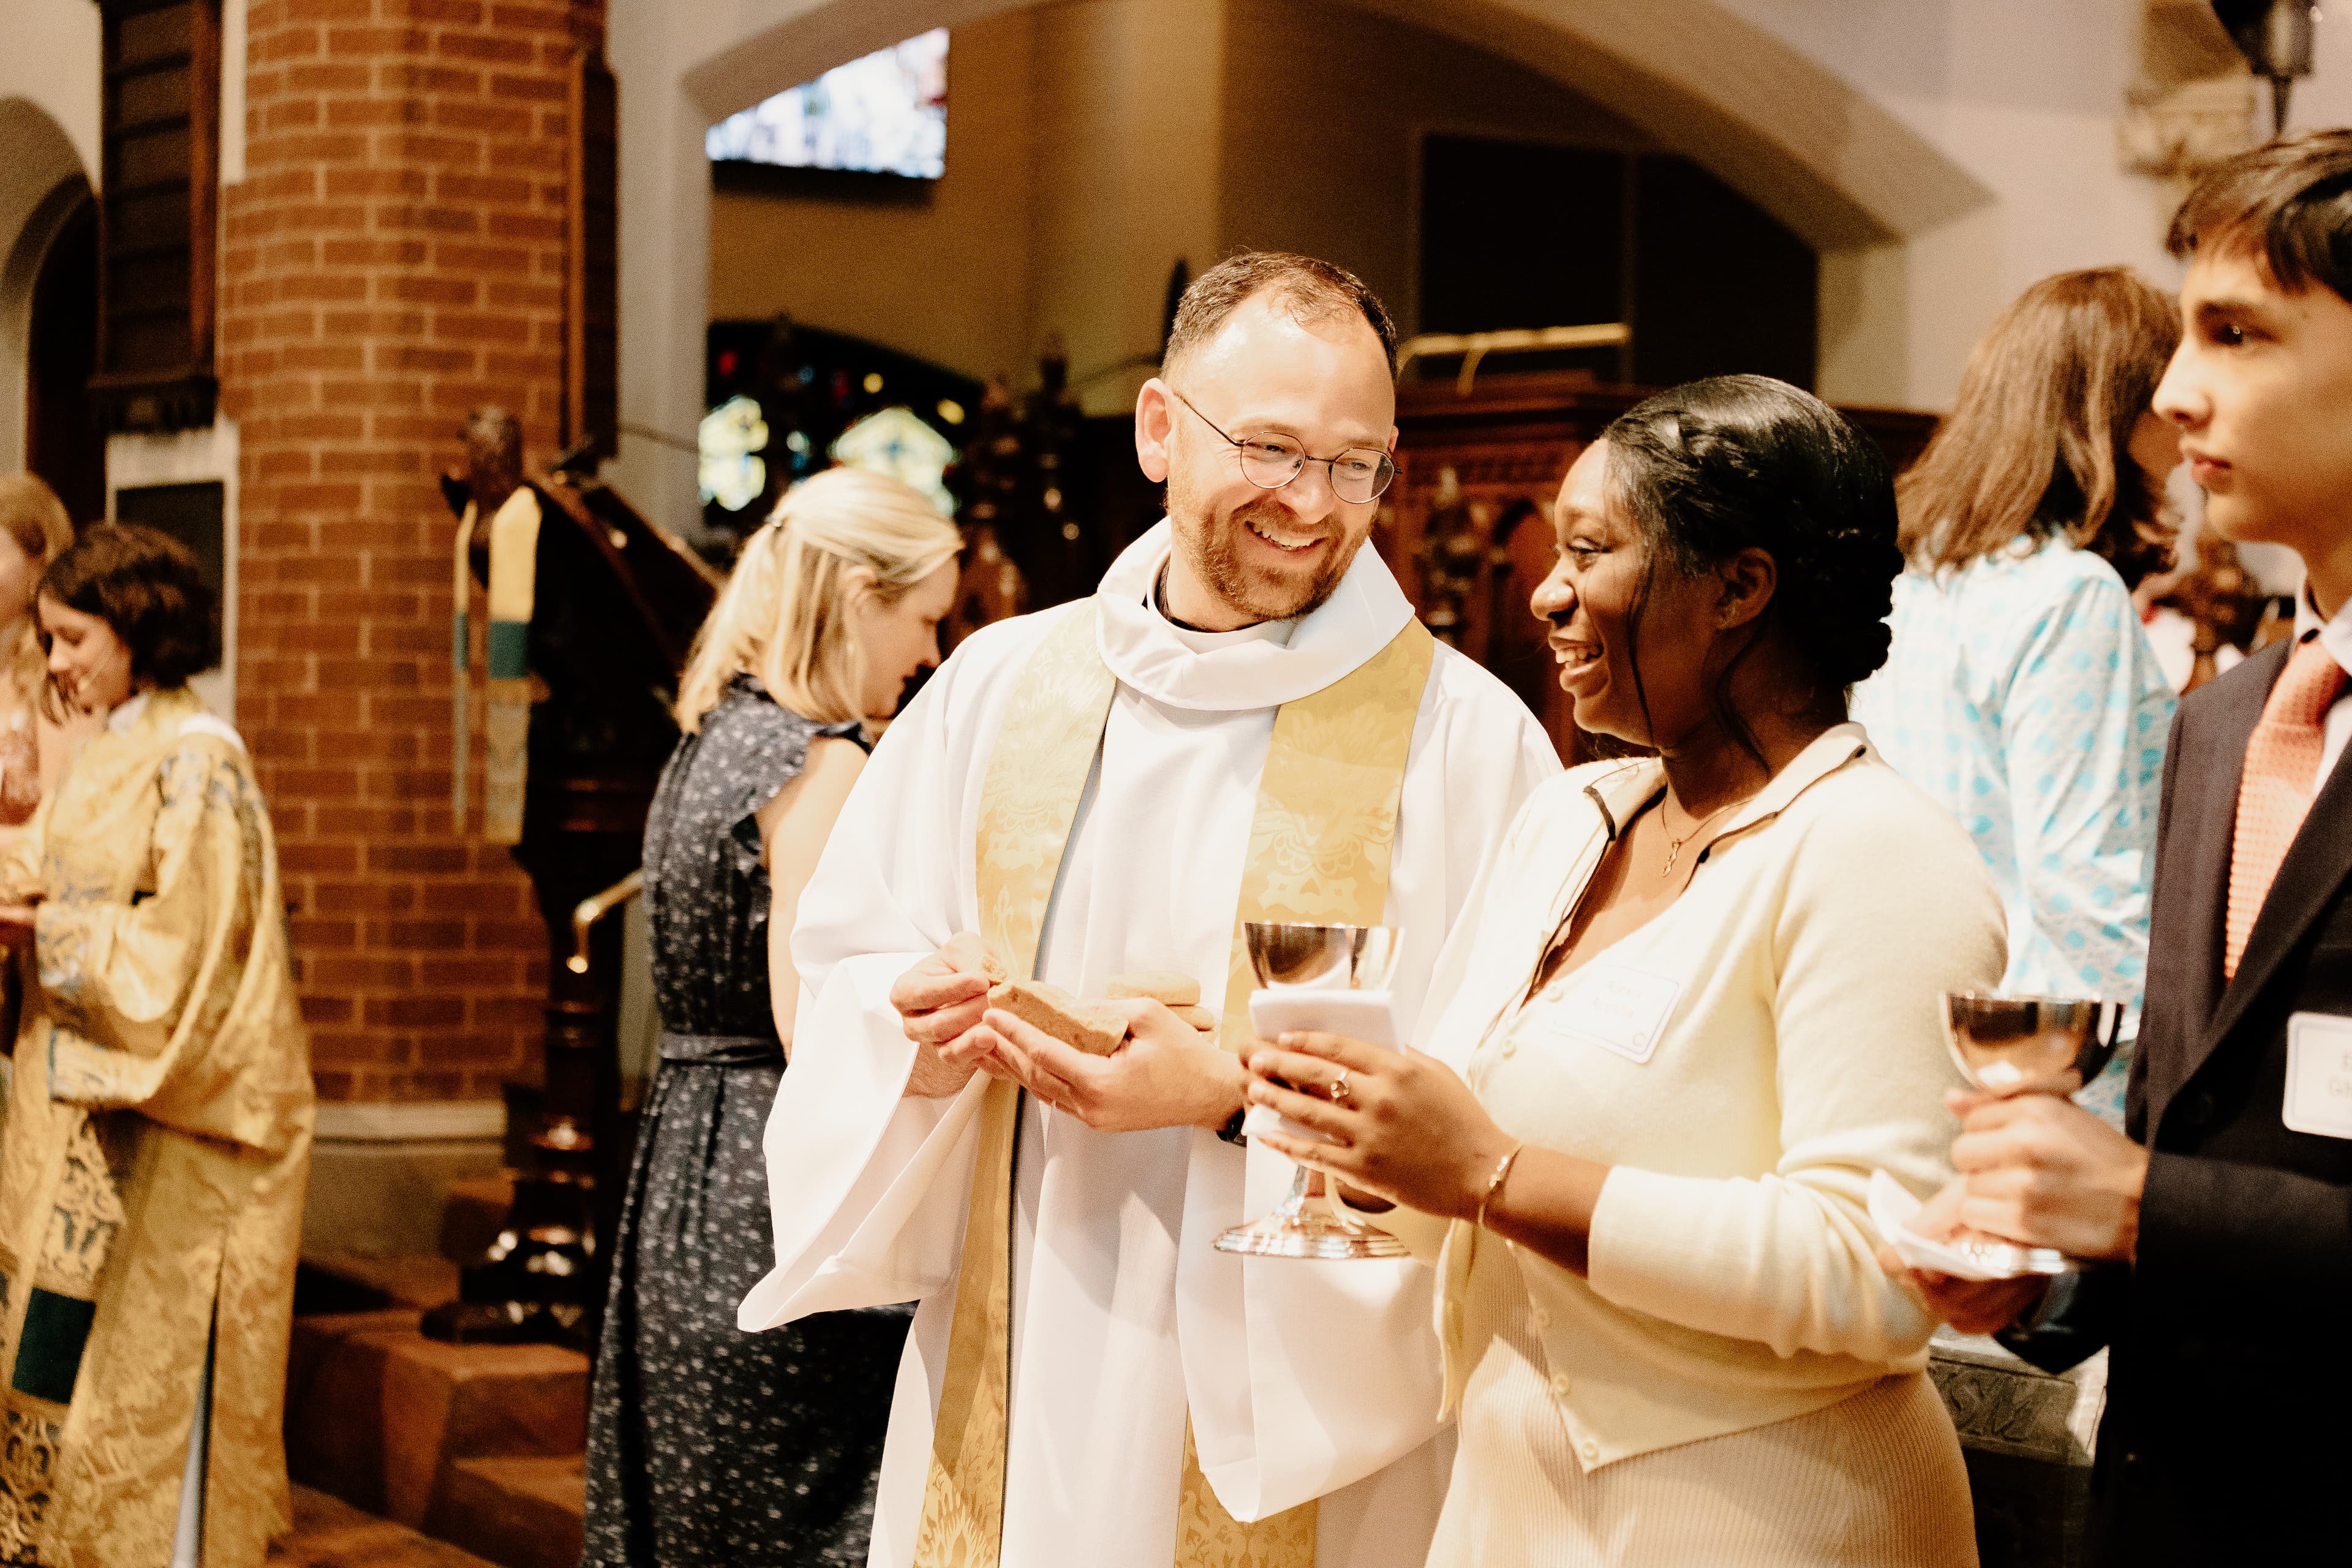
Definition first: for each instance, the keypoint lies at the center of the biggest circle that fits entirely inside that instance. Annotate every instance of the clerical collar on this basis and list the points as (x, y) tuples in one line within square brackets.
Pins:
[(1199, 639)]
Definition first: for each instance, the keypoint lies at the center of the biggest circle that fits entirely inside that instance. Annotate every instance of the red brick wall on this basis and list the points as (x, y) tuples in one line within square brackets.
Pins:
[(393, 256)]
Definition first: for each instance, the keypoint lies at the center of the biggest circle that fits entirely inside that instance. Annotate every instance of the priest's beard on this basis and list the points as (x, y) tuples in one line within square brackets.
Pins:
[(1213, 548)]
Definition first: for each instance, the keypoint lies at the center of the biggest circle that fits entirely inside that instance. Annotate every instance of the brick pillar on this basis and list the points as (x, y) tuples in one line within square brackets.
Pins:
[(393, 258)]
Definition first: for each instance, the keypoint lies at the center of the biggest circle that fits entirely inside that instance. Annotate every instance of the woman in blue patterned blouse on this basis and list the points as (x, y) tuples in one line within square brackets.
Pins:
[(2021, 692)]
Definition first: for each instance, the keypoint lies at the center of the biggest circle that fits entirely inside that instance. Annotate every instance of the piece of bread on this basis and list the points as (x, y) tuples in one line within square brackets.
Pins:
[(1163, 986), (1200, 1017), (1061, 1015), (993, 966)]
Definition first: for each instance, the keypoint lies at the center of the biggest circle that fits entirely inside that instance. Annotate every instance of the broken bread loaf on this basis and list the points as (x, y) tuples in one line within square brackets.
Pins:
[(1200, 1017), (1093, 1030), (1163, 986)]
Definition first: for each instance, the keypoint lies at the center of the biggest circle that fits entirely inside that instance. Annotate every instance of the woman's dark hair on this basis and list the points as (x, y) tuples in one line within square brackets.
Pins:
[(148, 588), (1718, 465)]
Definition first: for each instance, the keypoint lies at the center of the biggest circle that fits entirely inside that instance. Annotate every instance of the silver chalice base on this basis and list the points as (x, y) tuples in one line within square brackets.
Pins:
[(1294, 1230), (2008, 1260), (1336, 958)]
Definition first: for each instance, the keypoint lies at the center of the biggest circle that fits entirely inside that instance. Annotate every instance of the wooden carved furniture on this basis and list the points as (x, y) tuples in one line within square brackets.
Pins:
[(1467, 525), (618, 602)]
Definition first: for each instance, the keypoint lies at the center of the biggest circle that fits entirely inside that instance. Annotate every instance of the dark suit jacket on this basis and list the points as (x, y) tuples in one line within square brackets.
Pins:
[(2229, 1423)]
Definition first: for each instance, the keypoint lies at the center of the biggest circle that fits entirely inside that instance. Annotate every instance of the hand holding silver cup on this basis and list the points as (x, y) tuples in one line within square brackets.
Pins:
[(2027, 1045), (1331, 977)]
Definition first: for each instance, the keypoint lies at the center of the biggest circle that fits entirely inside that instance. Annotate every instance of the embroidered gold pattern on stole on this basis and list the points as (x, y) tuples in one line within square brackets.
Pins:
[(1319, 843), (1027, 804)]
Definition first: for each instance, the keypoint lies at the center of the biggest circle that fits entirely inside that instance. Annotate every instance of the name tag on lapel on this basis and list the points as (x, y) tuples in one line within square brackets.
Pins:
[(2319, 1075), (1618, 1008)]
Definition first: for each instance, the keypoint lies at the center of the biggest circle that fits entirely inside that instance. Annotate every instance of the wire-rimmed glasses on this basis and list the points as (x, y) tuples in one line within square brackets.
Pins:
[(1270, 461)]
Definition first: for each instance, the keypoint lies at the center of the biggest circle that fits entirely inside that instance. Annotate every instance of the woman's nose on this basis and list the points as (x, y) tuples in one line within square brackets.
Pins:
[(1554, 595)]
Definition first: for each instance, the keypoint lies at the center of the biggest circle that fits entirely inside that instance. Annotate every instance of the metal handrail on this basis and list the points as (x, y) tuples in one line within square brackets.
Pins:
[(1476, 346), (595, 907)]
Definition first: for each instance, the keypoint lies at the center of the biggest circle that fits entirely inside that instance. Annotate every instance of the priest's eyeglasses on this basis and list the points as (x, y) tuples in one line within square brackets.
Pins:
[(1271, 461)]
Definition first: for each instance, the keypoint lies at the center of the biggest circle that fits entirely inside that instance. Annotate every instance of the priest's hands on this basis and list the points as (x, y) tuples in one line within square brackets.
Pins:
[(1167, 1075), (1407, 1128), (2044, 1171), (939, 1003)]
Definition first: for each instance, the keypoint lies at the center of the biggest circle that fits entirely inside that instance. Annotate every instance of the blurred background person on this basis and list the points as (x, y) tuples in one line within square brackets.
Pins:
[(159, 1137), (2021, 692), (1696, 1000), (34, 531), (707, 1444)]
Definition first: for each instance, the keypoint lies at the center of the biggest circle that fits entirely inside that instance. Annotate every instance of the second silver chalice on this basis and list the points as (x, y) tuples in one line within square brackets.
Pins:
[(2027, 1045)]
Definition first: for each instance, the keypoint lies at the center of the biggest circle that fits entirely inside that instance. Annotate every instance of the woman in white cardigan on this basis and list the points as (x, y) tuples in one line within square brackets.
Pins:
[(1692, 1006)]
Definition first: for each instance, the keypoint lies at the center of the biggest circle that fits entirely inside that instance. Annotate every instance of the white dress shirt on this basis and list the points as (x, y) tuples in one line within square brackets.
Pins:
[(2336, 635)]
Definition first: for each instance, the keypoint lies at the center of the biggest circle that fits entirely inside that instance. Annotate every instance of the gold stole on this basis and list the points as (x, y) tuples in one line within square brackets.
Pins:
[(1318, 852), (506, 703)]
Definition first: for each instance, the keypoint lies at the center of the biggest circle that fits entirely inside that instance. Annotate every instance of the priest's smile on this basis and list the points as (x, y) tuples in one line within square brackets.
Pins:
[(1282, 539)]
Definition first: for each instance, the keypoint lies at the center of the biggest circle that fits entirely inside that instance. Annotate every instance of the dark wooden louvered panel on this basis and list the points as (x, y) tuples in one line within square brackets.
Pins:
[(157, 212)]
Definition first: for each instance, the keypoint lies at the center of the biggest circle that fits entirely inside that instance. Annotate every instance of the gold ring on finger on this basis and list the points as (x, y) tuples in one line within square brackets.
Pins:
[(1338, 1092)]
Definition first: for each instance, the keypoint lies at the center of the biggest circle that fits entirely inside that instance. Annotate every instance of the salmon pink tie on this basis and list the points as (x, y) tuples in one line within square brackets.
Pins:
[(2280, 776)]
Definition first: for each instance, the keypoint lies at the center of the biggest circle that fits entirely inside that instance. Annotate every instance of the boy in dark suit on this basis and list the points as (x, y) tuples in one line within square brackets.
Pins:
[(2221, 1228)]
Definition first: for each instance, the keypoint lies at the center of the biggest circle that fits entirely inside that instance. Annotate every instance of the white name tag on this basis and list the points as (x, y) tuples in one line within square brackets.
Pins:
[(2319, 1075), (1618, 1008)]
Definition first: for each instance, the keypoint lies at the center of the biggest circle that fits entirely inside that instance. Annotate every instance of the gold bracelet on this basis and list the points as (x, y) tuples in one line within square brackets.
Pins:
[(1495, 1181)]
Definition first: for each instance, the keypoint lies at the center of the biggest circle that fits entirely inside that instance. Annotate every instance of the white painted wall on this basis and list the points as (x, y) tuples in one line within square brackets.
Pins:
[(2025, 95)]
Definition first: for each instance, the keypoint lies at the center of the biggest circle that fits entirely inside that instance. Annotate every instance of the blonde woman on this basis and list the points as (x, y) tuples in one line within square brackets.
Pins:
[(707, 1443), (34, 531)]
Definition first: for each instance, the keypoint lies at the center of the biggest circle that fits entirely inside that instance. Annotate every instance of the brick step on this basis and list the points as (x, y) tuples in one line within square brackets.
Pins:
[(331, 1533), (475, 1211), (379, 1416), (517, 1512), (343, 1283)]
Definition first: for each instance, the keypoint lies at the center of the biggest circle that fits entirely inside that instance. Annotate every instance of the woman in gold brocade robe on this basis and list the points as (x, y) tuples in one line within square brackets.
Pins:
[(151, 1184)]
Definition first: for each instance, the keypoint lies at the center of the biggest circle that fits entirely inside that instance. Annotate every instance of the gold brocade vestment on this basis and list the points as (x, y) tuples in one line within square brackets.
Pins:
[(1319, 843), (159, 1135)]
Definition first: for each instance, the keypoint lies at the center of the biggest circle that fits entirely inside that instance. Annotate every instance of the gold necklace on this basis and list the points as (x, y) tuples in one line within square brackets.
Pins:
[(1675, 844)]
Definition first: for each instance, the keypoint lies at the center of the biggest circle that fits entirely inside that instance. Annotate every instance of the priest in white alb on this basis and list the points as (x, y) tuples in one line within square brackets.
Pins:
[(1244, 722)]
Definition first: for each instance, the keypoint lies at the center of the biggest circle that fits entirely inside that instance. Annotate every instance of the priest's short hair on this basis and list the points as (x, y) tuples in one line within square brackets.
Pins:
[(1313, 291)]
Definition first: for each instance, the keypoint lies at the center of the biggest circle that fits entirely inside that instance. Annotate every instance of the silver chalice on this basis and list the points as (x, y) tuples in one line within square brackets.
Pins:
[(2027, 1045), (1316, 978)]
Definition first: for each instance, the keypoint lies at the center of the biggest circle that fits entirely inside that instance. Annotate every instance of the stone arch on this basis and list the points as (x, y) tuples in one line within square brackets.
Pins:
[(1799, 139), (42, 185)]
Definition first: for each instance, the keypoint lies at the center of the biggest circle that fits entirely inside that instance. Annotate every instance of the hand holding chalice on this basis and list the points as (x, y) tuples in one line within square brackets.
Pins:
[(2005, 1046)]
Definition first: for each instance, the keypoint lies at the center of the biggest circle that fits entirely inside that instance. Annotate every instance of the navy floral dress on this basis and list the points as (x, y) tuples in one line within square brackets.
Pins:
[(707, 1444)]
